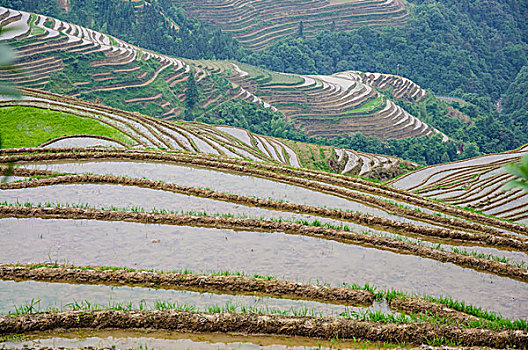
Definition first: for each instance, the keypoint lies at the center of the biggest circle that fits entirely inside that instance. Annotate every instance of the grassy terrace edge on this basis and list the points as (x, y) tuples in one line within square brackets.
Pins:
[(179, 280), (423, 308)]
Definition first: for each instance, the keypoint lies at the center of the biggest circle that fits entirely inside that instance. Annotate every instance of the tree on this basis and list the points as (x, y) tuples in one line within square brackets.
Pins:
[(520, 171), (445, 158), (191, 93), (470, 150), (300, 34)]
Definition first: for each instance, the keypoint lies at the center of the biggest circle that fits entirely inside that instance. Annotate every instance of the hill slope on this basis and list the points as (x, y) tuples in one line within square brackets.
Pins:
[(182, 212), (75, 61), (140, 131), (475, 183), (259, 23)]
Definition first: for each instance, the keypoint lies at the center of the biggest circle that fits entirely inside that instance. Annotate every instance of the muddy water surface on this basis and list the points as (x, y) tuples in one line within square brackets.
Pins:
[(172, 340), (12, 178), (298, 258), (59, 295), (83, 142), (128, 197)]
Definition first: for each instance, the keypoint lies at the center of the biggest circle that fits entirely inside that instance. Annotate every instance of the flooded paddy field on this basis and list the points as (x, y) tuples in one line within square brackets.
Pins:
[(136, 339), (64, 296), (130, 197), (290, 257), (219, 181), (203, 178), (145, 199)]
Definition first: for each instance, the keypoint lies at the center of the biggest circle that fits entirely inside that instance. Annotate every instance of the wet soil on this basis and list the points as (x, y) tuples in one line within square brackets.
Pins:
[(415, 333), (165, 340)]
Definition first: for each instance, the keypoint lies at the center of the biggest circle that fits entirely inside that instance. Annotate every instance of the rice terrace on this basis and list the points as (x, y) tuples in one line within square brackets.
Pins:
[(164, 186)]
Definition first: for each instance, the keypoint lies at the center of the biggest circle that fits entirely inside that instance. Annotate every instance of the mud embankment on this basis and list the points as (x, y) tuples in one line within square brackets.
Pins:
[(347, 237), (511, 242), (274, 288), (413, 305), (250, 168), (100, 137), (223, 284), (327, 328)]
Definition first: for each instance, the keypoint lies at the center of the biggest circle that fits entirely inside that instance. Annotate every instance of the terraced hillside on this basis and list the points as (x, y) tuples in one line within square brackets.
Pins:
[(133, 130), (75, 61), (329, 106), (122, 230), (475, 183), (259, 23), (400, 87), (152, 240), (69, 59)]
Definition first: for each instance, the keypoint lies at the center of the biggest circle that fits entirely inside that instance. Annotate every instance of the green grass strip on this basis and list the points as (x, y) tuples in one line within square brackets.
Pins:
[(30, 127)]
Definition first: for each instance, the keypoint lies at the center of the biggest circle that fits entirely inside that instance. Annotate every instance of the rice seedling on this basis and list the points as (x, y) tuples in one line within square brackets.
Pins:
[(33, 306)]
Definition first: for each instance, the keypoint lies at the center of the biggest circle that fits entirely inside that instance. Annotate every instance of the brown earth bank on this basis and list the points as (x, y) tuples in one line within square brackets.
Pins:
[(511, 241), (327, 328), (355, 346), (391, 348), (223, 283), (276, 288), (415, 305), (479, 223), (384, 243)]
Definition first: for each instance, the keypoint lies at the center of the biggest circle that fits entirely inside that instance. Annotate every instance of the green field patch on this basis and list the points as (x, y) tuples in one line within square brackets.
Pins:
[(370, 105), (30, 127)]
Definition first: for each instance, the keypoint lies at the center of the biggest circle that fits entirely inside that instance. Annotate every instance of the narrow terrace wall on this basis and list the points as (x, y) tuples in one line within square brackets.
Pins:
[(414, 333)]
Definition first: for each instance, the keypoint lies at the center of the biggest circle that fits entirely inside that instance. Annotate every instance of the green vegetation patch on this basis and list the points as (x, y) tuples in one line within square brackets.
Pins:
[(30, 127)]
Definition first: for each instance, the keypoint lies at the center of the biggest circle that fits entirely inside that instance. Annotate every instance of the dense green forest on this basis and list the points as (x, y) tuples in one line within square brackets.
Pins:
[(474, 50), (449, 46), (516, 102)]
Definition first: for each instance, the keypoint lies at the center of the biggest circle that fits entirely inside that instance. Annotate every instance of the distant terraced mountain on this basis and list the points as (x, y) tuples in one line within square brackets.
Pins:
[(71, 60), (475, 183), (259, 23)]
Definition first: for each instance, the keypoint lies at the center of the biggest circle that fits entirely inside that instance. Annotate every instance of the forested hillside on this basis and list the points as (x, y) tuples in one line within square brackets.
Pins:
[(469, 49), (448, 46)]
